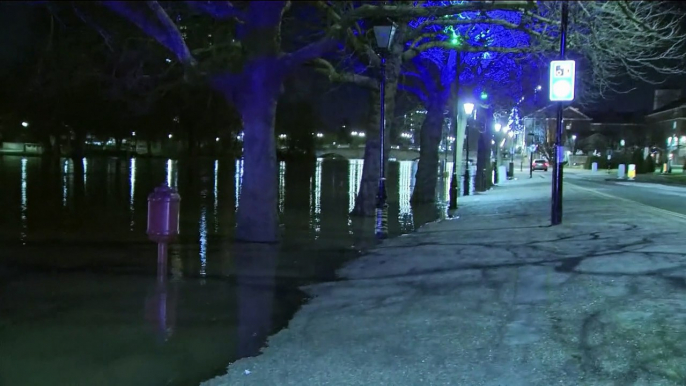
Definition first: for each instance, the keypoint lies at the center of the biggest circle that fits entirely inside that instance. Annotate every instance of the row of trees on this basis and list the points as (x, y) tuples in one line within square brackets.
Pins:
[(443, 52)]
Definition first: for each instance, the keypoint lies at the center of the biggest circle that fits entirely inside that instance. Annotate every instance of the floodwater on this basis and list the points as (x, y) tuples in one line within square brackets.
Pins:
[(81, 301)]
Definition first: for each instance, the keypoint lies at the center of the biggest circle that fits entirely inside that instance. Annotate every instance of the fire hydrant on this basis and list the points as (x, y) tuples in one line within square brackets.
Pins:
[(163, 223)]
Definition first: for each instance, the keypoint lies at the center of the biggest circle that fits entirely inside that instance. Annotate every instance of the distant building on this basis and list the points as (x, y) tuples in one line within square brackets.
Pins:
[(667, 126), (663, 97), (617, 126), (543, 124)]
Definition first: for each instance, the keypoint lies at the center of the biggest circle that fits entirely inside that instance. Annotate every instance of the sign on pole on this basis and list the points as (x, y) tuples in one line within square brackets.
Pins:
[(561, 87)]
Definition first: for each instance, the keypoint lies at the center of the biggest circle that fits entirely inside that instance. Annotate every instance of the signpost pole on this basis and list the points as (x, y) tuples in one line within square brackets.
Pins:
[(561, 90)]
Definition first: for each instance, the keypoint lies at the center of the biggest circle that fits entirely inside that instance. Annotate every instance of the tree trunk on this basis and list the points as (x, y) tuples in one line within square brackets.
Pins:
[(483, 164), (257, 215), (366, 196), (459, 144), (365, 200), (148, 144), (427, 169)]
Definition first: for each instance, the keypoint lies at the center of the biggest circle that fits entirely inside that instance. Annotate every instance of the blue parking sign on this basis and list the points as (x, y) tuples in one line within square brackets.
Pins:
[(561, 87)]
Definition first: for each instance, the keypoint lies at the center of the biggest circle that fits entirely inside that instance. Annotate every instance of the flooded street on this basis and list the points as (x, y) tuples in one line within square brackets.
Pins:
[(80, 303)]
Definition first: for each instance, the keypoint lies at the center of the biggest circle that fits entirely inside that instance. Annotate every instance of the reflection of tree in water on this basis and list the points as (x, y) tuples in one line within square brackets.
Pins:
[(334, 199), (255, 273), (424, 214), (298, 182)]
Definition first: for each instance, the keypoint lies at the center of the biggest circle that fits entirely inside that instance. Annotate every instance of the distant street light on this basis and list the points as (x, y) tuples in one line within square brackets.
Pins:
[(384, 40), (217, 139), (25, 124), (320, 135), (133, 133), (170, 136), (622, 143), (574, 137)]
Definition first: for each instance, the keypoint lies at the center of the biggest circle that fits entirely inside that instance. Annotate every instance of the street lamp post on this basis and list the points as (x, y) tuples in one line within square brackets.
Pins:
[(556, 202), (384, 39), (468, 110)]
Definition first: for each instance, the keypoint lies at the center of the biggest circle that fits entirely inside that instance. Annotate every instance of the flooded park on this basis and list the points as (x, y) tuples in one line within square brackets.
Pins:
[(80, 298)]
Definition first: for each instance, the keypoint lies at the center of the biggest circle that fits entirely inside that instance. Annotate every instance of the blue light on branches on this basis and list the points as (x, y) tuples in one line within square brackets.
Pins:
[(485, 70)]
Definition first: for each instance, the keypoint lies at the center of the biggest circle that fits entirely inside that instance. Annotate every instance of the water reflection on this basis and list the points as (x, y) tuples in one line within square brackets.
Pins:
[(227, 298), (161, 304), (316, 199), (121, 214), (132, 192), (354, 178), (215, 195), (405, 183), (255, 268), (282, 185), (65, 182), (24, 200), (238, 180)]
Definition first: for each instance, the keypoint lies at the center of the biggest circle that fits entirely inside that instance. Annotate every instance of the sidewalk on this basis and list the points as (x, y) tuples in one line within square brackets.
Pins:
[(497, 297)]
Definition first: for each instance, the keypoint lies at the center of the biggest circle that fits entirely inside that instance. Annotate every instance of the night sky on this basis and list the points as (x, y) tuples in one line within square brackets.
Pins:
[(19, 40), (17, 36)]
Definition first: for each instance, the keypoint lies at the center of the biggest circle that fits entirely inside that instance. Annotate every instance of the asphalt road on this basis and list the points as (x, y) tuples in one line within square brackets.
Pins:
[(663, 197)]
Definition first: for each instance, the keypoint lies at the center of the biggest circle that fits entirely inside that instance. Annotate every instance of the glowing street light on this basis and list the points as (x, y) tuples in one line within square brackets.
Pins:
[(170, 136), (468, 108), (25, 124)]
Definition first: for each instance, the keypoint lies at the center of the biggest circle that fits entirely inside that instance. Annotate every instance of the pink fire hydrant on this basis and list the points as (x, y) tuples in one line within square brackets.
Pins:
[(163, 223)]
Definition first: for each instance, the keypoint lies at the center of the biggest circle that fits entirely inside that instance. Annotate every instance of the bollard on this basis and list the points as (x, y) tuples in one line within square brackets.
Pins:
[(502, 174), (620, 171), (632, 172), (381, 228), (594, 167), (163, 222)]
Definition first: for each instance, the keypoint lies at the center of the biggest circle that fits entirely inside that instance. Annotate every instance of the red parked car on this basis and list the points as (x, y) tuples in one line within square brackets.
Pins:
[(539, 164)]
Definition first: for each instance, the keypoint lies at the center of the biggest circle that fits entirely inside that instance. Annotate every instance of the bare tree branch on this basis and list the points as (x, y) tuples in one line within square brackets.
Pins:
[(164, 31), (307, 53), (326, 68)]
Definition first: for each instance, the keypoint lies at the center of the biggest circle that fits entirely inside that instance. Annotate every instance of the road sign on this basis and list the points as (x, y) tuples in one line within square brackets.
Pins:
[(561, 86)]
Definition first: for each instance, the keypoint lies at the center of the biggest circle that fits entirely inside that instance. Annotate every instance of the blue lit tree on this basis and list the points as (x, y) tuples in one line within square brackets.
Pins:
[(491, 57), (245, 61), (420, 29)]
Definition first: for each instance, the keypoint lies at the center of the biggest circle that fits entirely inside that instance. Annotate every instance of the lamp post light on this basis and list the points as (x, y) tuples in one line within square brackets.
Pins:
[(384, 40), (468, 110)]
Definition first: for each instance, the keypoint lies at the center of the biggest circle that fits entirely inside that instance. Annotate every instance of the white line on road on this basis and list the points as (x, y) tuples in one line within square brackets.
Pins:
[(632, 202)]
